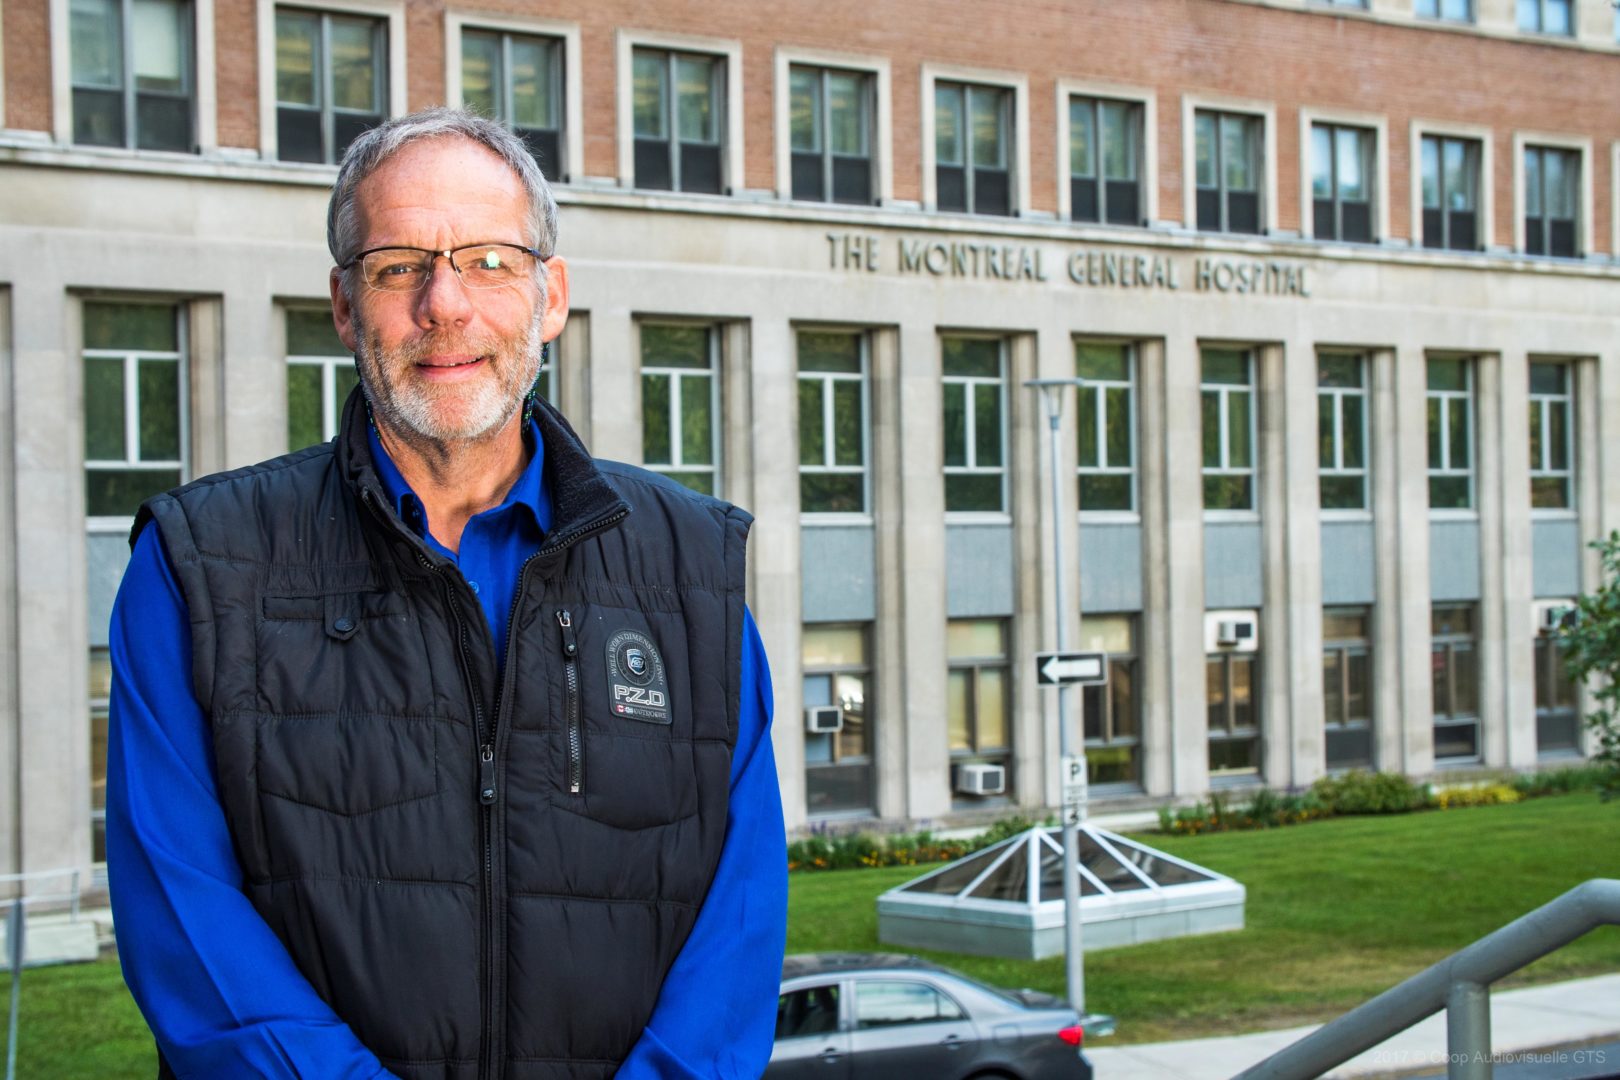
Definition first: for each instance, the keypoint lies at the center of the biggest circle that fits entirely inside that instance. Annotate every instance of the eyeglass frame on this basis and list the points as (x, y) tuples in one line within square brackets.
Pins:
[(433, 262)]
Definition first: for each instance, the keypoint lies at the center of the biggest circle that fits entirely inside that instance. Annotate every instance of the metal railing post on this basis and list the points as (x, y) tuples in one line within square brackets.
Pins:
[(15, 929), (1468, 1031)]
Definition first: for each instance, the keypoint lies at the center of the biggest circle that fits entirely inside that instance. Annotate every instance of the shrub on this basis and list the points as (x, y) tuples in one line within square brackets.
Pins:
[(1482, 795), (1559, 781), (1360, 792)]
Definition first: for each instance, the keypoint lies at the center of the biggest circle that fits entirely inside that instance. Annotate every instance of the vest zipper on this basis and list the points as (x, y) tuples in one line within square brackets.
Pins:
[(570, 651)]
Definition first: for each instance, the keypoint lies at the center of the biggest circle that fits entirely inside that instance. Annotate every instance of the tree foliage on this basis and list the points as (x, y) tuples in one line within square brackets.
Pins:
[(1591, 640)]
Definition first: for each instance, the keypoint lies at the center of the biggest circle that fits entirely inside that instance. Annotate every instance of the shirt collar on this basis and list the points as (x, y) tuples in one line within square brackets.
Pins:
[(529, 493)]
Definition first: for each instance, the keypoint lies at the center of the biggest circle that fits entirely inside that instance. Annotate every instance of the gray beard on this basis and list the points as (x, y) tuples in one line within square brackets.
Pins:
[(413, 409)]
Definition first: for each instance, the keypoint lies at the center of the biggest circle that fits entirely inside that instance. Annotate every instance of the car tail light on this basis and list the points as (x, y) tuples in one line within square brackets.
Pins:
[(1074, 1034)]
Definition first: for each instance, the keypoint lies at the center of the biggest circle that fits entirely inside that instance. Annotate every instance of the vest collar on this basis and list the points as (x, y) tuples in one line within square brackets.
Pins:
[(583, 500)]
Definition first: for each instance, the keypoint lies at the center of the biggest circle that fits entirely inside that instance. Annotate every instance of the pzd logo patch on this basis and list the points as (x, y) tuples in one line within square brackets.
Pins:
[(636, 682)]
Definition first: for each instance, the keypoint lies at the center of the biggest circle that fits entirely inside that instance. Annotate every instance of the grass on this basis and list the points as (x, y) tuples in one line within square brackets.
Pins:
[(1338, 911)]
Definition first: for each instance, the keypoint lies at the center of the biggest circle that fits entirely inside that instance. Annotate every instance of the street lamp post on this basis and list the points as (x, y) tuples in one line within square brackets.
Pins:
[(1072, 750)]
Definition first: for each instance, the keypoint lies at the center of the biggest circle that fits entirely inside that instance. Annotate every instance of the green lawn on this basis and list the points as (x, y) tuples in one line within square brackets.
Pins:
[(1338, 910)]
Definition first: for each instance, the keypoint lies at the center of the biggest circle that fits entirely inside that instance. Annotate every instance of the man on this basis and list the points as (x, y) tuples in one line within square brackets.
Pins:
[(440, 751)]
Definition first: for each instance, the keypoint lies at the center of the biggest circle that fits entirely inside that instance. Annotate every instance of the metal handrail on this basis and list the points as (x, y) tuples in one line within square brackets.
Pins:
[(1460, 984)]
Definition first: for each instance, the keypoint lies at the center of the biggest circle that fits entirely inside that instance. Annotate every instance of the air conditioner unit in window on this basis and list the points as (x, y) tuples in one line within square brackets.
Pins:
[(823, 719), (1555, 617), (981, 779), (1234, 631)]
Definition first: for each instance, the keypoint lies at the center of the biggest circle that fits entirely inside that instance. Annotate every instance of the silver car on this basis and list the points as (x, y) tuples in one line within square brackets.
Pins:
[(872, 1016)]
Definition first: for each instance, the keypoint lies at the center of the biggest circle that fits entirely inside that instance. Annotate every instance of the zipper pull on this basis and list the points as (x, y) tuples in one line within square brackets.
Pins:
[(486, 774), (565, 619)]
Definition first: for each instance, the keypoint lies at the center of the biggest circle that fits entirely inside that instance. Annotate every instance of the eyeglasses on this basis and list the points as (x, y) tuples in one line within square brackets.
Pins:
[(479, 266)]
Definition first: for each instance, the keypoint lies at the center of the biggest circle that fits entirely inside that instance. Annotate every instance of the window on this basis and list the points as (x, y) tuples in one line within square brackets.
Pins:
[(1105, 160), (811, 1011), (1456, 683), (678, 112), (132, 73), (1342, 183), (972, 147), (838, 765), (830, 114), (885, 1004), (1111, 713), (1451, 444), (1547, 17), (134, 405), (1227, 153), (1232, 694), (975, 422), (1551, 454), (320, 375), (1106, 425), (832, 423), (1347, 688), (1341, 425), (1450, 10), (1450, 193), (1557, 705), (518, 80), (1552, 197), (100, 694), (331, 82), (680, 405), (978, 697), (1228, 429)]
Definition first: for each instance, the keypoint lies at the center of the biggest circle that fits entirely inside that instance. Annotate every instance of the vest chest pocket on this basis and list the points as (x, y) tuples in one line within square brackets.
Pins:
[(351, 651), (625, 721)]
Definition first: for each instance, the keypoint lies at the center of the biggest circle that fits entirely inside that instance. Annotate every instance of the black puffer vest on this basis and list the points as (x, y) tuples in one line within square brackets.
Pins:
[(484, 877)]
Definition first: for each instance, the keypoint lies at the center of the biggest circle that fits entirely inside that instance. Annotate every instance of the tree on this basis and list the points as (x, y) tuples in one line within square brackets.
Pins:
[(1590, 637)]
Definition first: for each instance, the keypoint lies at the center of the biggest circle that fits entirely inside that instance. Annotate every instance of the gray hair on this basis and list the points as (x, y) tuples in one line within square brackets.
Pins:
[(376, 145)]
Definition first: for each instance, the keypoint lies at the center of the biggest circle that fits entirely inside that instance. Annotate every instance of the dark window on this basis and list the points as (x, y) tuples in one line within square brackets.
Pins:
[(134, 405), (1111, 713), (1552, 471), (973, 148), (678, 110), (1341, 429), (518, 80), (1229, 167), (830, 126), (832, 422), (838, 773), (331, 82), (885, 1004), (1228, 429), (1552, 186), (1347, 688), (974, 393), (1105, 161), (1232, 695), (1451, 193), (1342, 183), (1558, 718), (1456, 683), (1451, 441), (132, 68), (680, 405), (811, 1011), (978, 698), (320, 376), (1105, 422)]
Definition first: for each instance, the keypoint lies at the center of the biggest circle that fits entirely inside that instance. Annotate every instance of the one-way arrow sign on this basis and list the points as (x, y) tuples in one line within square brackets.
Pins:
[(1061, 668)]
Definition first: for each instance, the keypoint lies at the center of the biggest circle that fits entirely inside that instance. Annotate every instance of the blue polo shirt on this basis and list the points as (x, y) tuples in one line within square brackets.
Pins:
[(216, 985)]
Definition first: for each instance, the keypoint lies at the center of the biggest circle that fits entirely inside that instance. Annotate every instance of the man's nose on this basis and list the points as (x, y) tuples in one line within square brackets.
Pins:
[(443, 301)]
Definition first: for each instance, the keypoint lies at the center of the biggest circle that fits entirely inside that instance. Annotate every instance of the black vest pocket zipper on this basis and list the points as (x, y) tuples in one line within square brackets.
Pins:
[(576, 750)]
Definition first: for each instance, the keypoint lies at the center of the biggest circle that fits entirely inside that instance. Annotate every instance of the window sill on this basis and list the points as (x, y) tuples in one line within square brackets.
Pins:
[(1561, 513), (977, 517), (1231, 517), (834, 520), (1453, 515), (1337, 514), (1110, 517)]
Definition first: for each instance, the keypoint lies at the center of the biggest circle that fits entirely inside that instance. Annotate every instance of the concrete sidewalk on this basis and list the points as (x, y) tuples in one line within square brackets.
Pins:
[(1559, 1014)]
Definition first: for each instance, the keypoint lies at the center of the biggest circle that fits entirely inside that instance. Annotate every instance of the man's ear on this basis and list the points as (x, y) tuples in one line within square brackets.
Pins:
[(556, 316), (342, 313)]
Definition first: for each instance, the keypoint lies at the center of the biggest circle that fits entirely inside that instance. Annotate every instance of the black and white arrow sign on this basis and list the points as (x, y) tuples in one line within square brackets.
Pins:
[(1062, 668)]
